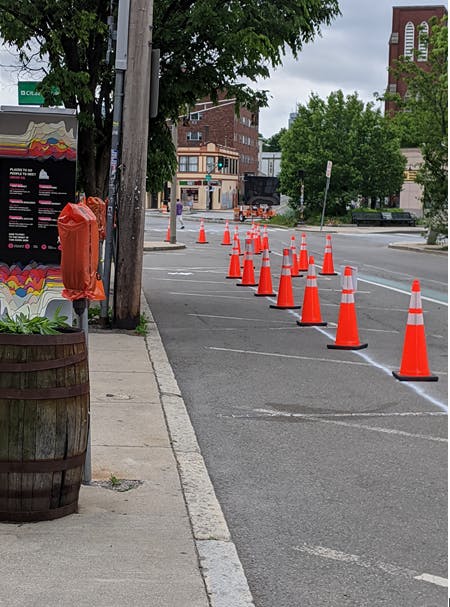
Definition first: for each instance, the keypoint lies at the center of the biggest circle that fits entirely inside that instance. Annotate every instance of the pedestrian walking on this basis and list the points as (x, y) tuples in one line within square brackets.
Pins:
[(180, 213)]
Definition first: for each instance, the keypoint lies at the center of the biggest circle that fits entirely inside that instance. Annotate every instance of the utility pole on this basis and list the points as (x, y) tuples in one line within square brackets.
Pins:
[(328, 175), (173, 189), (132, 192)]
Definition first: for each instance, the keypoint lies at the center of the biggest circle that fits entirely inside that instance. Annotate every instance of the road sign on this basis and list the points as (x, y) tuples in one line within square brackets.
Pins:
[(208, 177), (329, 166), (28, 95)]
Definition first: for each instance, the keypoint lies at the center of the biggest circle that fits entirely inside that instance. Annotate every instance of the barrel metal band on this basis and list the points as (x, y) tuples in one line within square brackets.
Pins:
[(42, 365), (45, 393), (44, 465)]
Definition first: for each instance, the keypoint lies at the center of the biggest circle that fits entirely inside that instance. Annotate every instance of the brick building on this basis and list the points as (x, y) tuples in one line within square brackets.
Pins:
[(218, 124), (407, 22)]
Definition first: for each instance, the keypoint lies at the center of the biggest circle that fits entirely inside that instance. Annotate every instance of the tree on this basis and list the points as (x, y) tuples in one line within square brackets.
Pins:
[(273, 144), (359, 141), (422, 121), (206, 47)]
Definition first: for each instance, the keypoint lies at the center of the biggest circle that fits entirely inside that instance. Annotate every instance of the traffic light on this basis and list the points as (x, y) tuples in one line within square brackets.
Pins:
[(220, 163)]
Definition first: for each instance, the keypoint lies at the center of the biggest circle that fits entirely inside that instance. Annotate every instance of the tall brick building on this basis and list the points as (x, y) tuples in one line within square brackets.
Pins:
[(217, 124), (407, 22)]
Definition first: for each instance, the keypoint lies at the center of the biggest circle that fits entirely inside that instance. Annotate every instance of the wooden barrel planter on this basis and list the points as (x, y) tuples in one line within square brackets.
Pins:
[(44, 419)]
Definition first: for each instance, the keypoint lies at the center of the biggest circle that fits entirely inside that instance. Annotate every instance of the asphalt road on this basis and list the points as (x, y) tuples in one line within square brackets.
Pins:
[(331, 473)]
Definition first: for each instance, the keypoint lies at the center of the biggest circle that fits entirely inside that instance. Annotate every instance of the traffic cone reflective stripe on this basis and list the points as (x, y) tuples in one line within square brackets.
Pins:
[(265, 239), (347, 337), (234, 270), (293, 258), (328, 266), (265, 278), (311, 315), (303, 257), (285, 299), (201, 235), (255, 241), (260, 240), (226, 240), (167, 239), (248, 275), (414, 364), (236, 237)]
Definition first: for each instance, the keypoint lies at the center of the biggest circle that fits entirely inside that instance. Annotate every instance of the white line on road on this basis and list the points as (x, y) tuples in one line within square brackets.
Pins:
[(367, 563), (368, 414), (424, 297), (285, 322), (368, 265), (210, 295), (435, 439), (294, 356)]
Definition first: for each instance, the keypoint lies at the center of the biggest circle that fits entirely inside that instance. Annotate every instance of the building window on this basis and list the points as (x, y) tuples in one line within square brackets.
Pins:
[(394, 38), (423, 42), (194, 136), (409, 40), (188, 164), (210, 163), (393, 88)]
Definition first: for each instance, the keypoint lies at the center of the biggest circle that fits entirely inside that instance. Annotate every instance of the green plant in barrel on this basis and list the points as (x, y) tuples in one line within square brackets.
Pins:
[(37, 325), (44, 416)]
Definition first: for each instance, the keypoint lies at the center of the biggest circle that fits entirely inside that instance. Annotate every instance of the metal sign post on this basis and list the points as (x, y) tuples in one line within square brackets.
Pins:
[(328, 174)]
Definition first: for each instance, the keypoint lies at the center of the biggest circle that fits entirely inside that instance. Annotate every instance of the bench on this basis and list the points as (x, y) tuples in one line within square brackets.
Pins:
[(401, 218), (362, 218), (383, 218)]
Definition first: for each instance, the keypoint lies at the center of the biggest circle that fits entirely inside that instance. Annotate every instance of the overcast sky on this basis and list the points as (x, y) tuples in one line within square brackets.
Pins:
[(351, 55)]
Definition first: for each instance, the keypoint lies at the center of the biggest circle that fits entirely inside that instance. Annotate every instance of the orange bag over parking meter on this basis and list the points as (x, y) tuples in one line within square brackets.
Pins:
[(98, 207), (78, 235)]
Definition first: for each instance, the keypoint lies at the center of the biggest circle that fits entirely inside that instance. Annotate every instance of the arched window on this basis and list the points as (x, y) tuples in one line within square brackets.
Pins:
[(423, 42), (409, 40)]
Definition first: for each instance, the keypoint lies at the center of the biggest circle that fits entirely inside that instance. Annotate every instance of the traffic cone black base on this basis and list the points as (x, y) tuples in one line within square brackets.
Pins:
[(284, 307), (328, 274), (247, 285), (265, 294), (414, 378), (311, 324), (358, 347)]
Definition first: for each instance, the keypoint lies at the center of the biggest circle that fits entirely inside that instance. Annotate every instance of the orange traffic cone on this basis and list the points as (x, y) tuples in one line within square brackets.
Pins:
[(167, 238), (255, 240), (303, 257), (347, 337), (265, 239), (285, 299), (201, 234), (311, 316), (293, 259), (414, 365), (248, 275), (328, 267), (260, 240), (234, 270), (265, 277), (236, 236), (226, 240)]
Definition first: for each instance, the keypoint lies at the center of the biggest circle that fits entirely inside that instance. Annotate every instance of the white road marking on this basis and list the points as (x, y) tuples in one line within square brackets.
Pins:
[(180, 273), (368, 414), (436, 439), (210, 295), (367, 563), (368, 265), (420, 390), (294, 356), (286, 322), (424, 297)]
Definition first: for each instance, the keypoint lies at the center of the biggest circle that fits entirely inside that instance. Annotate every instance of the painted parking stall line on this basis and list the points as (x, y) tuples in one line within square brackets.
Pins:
[(368, 563)]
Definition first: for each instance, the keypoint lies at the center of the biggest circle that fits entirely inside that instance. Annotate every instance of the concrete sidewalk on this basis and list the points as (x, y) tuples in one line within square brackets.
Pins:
[(149, 531)]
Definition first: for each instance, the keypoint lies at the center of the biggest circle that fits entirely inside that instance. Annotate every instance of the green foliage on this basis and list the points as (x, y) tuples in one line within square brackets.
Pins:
[(206, 47), (142, 327), (361, 143), (289, 218), (423, 121), (273, 144), (41, 325)]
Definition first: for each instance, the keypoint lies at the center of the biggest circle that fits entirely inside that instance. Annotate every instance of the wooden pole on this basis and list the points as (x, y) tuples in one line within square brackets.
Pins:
[(132, 191)]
